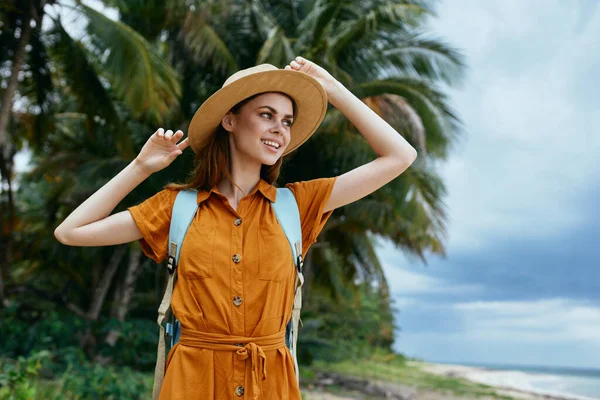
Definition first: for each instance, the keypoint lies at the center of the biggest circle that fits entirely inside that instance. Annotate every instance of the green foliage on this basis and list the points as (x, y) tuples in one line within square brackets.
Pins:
[(92, 381), (25, 333), (28, 331), (16, 376), (22, 380), (136, 346), (355, 327)]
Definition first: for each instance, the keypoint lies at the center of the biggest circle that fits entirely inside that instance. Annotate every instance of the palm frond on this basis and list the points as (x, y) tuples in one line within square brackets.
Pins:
[(262, 18), (398, 16), (137, 72), (402, 117), (415, 56), (439, 119), (206, 46), (276, 49)]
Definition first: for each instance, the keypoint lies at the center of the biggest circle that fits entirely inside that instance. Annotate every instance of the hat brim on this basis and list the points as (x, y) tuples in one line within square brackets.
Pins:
[(307, 92)]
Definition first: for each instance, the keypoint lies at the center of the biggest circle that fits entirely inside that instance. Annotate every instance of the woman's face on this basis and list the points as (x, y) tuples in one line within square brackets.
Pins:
[(261, 131)]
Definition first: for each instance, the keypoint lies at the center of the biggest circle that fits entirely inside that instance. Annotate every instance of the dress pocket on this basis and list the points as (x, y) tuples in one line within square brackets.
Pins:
[(274, 254), (197, 252)]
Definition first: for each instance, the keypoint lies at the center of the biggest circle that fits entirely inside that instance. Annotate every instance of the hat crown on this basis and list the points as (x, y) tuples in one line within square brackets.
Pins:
[(249, 71)]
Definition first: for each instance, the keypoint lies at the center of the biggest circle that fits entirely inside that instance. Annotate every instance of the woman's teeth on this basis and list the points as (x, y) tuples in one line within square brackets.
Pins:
[(269, 143)]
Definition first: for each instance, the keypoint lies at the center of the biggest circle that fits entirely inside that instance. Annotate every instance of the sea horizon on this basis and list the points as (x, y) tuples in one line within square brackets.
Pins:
[(567, 380), (561, 370)]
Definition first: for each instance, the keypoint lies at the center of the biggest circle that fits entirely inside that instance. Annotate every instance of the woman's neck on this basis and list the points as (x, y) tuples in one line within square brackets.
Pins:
[(245, 175)]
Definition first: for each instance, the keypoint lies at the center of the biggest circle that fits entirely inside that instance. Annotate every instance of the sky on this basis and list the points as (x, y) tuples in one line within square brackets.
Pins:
[(521, 280)]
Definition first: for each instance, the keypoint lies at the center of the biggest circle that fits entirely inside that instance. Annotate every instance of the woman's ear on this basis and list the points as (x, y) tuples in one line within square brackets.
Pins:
[(228, 121)]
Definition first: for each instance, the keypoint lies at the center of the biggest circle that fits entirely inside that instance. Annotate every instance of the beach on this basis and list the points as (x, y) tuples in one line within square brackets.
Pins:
[(503, 383), (517, 384)]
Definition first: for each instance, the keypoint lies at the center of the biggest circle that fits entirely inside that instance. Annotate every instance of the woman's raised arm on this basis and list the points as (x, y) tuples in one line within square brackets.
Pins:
[(91, 224), (394, 153)]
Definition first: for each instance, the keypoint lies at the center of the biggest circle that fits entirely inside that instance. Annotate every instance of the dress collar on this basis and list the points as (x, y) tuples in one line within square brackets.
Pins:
[(267, 190)]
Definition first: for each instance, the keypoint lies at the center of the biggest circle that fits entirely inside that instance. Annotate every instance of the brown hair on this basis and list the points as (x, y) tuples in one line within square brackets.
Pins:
[(212, 162)]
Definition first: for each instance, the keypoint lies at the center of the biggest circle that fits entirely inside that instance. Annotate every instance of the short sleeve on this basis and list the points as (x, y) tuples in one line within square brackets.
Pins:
[(312, 196), (153, 218)]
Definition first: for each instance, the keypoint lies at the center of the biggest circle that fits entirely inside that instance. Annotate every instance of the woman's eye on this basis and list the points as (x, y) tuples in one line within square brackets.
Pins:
[(289, 123)]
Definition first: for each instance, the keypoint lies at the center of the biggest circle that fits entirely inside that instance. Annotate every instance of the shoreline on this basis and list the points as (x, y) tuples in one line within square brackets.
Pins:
[(509, 382)]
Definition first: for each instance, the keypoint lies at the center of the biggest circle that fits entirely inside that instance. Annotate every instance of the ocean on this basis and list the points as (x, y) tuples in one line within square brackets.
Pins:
[(557, 380)]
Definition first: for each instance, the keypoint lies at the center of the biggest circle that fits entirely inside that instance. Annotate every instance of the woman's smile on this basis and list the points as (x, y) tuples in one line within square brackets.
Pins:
[(271, 145)]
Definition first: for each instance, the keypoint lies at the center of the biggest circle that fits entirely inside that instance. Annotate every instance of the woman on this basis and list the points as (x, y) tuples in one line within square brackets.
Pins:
[(234, 275)]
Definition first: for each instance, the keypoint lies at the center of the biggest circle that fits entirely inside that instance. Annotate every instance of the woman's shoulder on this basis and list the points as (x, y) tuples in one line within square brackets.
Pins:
[(163, 199), (311, 186)]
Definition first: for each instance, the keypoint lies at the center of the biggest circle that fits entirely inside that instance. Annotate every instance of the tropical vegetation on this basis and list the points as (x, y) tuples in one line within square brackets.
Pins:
[(82, 89)]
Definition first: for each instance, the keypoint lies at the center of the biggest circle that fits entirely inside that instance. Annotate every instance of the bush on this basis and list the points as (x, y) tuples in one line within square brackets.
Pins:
[(26, 332), (96, 382), (20, 380), (16, 377)]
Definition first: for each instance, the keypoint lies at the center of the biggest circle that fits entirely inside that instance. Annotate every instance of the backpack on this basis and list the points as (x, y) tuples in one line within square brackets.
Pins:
[(184, 209)]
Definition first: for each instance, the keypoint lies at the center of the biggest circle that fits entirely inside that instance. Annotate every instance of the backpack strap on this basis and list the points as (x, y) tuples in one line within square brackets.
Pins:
[(288, 215), (183, 212)]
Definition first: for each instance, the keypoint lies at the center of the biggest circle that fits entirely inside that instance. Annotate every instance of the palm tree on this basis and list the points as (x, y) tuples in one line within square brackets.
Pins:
[(379, 51), (374, 48), (98, 73)]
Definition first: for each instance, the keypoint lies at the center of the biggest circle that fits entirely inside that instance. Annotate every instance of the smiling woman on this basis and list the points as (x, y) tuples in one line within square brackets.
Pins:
[(236, 282), (251, 136)]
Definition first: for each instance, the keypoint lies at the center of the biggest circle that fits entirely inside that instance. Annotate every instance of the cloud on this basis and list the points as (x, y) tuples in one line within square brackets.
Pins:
[(404, 282), (541, 321), (553, 331), (518, 285), (530, 110)]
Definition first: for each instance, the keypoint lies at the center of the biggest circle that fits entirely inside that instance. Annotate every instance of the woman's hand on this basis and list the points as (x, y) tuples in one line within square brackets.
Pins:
[(319, 73), (160, 150)]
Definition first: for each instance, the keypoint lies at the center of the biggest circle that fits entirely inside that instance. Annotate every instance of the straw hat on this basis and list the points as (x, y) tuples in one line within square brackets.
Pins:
[(307, 92)]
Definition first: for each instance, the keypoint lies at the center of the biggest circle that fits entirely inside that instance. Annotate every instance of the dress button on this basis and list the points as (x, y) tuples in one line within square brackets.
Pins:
[(236, 258), (237, 222), (239, 390), (237, 300)]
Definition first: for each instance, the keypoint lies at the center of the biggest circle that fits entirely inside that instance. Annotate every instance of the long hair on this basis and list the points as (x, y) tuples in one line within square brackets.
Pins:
[(212, 162)]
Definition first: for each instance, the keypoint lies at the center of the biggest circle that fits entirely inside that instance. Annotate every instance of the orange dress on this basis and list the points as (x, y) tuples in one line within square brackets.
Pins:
[(236, 278)]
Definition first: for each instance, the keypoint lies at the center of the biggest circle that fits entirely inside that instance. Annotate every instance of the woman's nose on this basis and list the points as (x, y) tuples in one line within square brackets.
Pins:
[(278, 127)]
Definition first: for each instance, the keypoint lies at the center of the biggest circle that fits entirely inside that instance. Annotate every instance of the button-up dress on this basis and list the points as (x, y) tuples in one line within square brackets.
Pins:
[(236, 278)]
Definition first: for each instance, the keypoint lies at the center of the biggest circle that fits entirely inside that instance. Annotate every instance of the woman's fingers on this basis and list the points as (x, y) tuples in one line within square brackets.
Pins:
[(176, 136), (298, 64), (169, 138), (169, 135), (184, 144)]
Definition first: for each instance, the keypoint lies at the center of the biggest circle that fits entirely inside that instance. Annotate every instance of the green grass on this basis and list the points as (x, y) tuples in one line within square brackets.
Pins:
[(399, 372)]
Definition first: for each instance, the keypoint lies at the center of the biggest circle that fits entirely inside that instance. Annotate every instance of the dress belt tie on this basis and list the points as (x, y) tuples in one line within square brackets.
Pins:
[(252, 347)]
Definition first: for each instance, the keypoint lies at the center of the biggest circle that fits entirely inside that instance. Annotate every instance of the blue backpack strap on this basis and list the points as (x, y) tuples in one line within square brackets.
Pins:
[(288, 215), (183, 212), (184, 209)]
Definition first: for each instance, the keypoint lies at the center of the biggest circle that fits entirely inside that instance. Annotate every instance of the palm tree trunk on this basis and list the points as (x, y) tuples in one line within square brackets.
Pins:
[(308, 278), (7, 154), (87, 341), (122, 298), (7, 97)]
